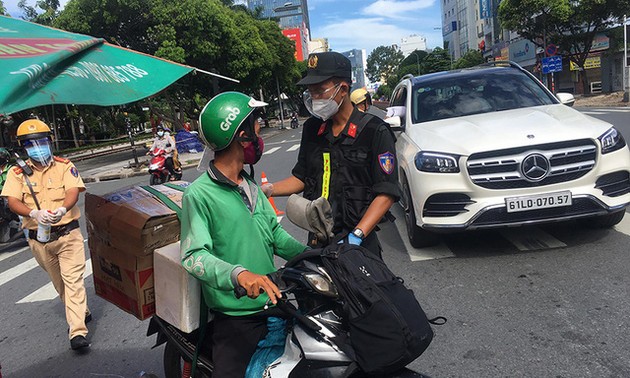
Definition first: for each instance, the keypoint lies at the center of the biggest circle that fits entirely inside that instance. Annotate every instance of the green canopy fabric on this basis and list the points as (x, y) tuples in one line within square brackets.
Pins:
[(41, 65)]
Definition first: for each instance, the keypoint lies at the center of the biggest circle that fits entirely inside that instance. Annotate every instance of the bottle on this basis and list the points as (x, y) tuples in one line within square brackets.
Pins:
[(43, 232)]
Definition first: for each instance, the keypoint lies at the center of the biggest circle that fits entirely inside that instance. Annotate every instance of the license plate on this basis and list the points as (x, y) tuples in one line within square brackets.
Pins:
[(541, 201)]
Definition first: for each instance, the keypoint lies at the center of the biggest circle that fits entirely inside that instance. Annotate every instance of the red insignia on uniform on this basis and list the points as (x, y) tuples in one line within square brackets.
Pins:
[(386, 161), (352, 130), (322, 128), (74, 172)]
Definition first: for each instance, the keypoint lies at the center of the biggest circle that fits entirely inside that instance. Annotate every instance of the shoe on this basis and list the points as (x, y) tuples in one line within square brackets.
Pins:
[(88, 318), (79, 342)]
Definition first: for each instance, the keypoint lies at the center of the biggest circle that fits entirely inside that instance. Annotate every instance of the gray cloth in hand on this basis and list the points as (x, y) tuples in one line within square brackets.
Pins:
[(314, 216)]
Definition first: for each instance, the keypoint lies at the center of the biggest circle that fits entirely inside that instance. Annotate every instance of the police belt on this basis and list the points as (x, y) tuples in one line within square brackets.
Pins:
[(56, 231)]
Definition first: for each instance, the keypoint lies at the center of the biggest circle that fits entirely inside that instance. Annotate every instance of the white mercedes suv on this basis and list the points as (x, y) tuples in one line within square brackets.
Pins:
[(490, 146)]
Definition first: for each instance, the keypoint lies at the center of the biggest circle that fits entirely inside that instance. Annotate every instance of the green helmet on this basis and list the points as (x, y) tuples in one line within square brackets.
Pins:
[(223, 115)]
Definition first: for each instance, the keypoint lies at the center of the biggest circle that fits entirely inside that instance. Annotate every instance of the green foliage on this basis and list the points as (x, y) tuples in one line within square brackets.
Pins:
[(436, 61), (470, 59), (383, 62), (3, 10), (49, 11)]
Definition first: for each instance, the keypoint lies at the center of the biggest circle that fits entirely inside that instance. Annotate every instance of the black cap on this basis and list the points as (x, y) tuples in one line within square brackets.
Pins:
[(325, 65)]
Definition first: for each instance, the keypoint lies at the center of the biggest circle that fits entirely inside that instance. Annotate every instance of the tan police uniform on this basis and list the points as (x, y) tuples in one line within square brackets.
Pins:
[(63, 257)]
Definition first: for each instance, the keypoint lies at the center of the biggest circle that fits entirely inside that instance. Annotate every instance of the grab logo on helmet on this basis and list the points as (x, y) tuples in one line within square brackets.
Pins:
[(225, 125)]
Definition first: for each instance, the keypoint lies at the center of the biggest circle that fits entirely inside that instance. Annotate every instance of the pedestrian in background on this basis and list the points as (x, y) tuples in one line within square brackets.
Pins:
[(346, 156), (45, 191)]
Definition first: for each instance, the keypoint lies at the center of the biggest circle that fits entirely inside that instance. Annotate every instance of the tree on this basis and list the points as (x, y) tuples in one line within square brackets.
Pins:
[(436, 61), (470, 59), (50, 10), (411, 64), (3, 10), (570, 24), (383, 62)]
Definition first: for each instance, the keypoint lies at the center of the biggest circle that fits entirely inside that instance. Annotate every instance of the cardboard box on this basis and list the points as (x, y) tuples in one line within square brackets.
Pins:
[(122, 279), (177, 293), (132, 220), (124, 227)]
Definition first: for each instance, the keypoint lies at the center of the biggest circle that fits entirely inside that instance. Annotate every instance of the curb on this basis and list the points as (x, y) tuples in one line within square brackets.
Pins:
[(132, 173)]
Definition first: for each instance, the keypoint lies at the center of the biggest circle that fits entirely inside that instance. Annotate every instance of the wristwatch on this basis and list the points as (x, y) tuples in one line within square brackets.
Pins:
[(358, 233)]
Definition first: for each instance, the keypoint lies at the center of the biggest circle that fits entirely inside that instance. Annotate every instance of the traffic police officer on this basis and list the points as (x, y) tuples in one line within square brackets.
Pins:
[(346, 156), (45, 191)]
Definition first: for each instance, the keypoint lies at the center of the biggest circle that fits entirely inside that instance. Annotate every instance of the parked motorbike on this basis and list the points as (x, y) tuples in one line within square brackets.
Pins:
[(309, 349), (157, 168)]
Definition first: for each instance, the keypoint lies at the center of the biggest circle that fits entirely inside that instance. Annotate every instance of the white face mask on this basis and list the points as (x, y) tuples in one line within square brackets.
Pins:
[(160, 133), (323, 109)]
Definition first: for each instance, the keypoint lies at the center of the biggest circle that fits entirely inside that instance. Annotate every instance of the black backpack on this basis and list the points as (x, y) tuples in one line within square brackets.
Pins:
[(387, 327)]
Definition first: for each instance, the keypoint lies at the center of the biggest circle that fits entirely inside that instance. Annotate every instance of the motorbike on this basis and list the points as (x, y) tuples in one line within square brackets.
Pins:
[(309, 350), (10, 224), (294, 121), (157, 168)]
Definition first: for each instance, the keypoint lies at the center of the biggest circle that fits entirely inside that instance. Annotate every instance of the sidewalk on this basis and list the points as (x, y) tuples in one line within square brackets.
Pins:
[(605, 100), (121, 169)]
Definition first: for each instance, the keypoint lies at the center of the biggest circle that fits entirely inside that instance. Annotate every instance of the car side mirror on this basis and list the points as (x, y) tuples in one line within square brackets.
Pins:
[(395, 123), (566, 98)]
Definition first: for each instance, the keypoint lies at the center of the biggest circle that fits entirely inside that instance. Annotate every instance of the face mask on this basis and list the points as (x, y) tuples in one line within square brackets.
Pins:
[(323, 109), (253, 151), (160, 133), (40, 153)]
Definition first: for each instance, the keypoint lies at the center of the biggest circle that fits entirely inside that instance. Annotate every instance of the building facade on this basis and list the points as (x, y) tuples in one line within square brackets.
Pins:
[(358, 61), (290, 13), (412, 43)]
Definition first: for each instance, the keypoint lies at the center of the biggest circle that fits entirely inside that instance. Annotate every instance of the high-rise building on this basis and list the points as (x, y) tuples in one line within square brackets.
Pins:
[(412, 43), (316, 45), (358, 62), (291, 13), (292, 16)]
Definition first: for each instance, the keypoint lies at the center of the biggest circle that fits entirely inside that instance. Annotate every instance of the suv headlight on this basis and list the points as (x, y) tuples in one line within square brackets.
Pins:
[(437, 162), (321, 284), (611, 140)]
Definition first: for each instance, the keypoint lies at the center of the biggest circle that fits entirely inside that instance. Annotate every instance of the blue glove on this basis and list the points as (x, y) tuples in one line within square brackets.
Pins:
[(351, 239)]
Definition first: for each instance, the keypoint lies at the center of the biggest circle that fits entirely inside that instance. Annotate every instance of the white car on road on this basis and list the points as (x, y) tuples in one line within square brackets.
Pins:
[(490, 146)]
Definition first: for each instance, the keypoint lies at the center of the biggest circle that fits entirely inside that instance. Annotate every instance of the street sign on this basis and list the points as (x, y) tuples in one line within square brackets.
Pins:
[(552, 64), (551, 49)]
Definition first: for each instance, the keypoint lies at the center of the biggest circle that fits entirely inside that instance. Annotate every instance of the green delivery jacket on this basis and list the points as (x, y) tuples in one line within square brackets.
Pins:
[(220, 233)]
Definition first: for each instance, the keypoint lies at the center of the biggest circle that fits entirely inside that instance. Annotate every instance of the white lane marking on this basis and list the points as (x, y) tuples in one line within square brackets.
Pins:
[(439, 251), (271, 150), (279, 217), (48, 292), (533, 239), (593, 113), (6, 255), (17, 270), (618, 110), (624, 225), (294, 147)]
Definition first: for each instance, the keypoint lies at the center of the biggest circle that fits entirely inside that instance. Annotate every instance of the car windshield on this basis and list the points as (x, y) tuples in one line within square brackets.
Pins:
[(474, 92)]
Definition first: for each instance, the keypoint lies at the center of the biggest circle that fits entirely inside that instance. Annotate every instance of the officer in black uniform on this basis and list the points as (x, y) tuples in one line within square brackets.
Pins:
[(345, 155)]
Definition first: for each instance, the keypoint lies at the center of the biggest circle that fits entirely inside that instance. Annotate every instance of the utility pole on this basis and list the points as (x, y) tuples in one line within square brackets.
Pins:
[(626, 85), (280, 103)]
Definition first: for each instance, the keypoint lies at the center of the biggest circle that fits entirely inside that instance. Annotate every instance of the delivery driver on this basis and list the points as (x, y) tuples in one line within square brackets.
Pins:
[(230, 233), (46, 191), (346, 156)]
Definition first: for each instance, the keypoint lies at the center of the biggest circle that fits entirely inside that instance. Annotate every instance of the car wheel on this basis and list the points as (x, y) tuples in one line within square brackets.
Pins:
[(418, 238), (604, 221)]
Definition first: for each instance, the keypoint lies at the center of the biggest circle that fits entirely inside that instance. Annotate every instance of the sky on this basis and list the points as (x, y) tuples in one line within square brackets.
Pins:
[(360, 24)]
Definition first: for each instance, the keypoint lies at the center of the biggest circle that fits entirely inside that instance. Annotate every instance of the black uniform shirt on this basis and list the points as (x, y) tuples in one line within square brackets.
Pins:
[(350, 169)]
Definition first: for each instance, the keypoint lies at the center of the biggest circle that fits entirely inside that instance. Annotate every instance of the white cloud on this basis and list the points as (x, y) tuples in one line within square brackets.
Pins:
[(395, 8)]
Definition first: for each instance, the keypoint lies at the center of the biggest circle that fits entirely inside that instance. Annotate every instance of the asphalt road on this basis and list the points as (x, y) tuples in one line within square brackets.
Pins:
[(523, 302)]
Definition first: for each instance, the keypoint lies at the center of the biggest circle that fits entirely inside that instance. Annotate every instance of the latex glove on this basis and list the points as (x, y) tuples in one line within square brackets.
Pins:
[(351, 239), (42, 216), (58, 214), (267, 189), (255, 284)]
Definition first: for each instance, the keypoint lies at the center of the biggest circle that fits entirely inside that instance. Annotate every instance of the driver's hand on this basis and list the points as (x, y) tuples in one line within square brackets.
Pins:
[(255, 284)]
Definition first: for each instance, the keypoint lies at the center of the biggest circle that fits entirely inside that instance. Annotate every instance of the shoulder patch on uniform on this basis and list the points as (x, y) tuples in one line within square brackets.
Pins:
[(322, 128), (74, 171), (61, 160), (386, 161), (17, 170)]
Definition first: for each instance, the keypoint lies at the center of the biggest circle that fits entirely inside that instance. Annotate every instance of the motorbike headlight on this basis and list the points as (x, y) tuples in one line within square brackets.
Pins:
[(611, 140), (321, 284), (437, 162)]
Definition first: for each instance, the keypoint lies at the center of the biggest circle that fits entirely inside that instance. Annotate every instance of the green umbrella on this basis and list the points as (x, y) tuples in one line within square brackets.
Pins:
[(40, 65)]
